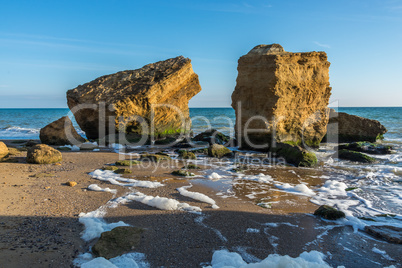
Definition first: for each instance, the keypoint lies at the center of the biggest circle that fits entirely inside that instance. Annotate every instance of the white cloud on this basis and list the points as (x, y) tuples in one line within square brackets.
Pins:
[(322, 45)]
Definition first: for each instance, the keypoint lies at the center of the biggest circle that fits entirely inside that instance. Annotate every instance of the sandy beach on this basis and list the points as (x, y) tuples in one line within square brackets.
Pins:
[(40, 227)]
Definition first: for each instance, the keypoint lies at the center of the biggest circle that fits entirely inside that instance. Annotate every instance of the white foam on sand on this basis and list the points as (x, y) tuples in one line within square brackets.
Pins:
[(117, 179), (261, 178), (97, 188), (94, 224), (383, 253), (129, 260), (312, 259), (300, 189), (197, 196), (214, 176), (162, 203)]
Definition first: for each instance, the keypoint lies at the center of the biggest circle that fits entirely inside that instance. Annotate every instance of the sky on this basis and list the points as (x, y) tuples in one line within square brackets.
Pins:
[(49, 47)]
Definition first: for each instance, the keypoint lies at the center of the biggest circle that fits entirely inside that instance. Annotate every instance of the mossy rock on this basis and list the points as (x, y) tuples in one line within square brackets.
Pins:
[(191, 166), (43, 154), (118, 241), (122, 171), (217, 150), (367, 147), (186, 154), (64, 149), (166, 141), (182, 173), (113, 168), (295, 155), (154, 157), (329, 213), (355, 156), (212, 136), (200, 151), (128, 163)]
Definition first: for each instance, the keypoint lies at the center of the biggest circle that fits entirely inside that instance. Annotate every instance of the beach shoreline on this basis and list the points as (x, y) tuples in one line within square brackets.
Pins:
[(40, 224)]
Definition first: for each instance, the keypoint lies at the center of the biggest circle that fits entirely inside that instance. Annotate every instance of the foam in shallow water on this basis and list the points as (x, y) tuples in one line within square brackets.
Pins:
[(163, 203), (117, 179), (300, 189), (312, 259)]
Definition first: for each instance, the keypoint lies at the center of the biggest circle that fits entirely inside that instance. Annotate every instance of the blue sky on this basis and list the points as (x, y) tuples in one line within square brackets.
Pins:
[(48, 47)]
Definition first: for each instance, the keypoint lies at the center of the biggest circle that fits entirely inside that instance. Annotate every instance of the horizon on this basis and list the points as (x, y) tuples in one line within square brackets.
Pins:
[(42, 56)]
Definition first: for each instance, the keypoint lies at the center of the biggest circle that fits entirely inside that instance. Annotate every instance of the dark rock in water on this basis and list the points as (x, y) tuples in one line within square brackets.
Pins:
[(157, 93), (366, 147), (213, 136), (217, 150), (31, 143), (184, 154), (122, 171), (350, 128), (329, 213), (191, 166), (60, 132), (389, 233), (3, 150), (295, 155), (43, 154), (128, 163), (354, 156), (154, 157), (118, 241), (182, 173)]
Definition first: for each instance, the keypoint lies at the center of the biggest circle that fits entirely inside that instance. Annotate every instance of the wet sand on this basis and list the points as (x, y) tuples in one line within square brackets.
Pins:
[(39, 218)]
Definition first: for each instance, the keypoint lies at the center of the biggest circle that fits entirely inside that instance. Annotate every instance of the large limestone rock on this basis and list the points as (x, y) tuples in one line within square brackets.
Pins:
[(3, 150), (282, 96), (168, 84), (60, 132), (343, 127), (43, 154)]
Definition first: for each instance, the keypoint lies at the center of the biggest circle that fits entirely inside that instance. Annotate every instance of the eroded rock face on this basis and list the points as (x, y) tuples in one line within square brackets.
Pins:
[(286, 94), (343, 127), (60, 132), (166, 86)]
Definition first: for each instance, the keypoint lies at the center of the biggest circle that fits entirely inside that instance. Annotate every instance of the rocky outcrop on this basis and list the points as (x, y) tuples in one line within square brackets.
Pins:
[(118, 241), (213, 136), (391, 234), (329, 213), (281, 97), (3, 150), (366, 147), (295, 155), (217, 150), (60, 132), (126, 100), (354, 156), (343, 127), (43, 154)]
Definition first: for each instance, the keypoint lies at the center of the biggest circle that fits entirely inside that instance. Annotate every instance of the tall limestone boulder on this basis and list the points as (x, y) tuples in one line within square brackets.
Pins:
[(281, 97), (125, 100), (60, 132), (343, 127)]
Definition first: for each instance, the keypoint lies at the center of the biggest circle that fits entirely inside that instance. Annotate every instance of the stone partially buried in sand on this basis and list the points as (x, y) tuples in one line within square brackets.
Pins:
[(118, 241), (164, 87), (60, 132), (43, 154), (3, 150)]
